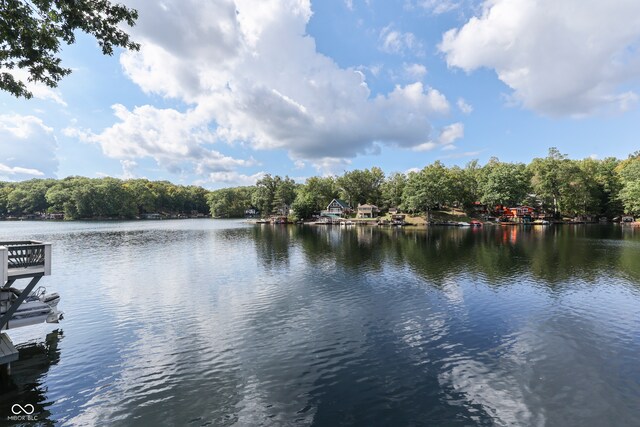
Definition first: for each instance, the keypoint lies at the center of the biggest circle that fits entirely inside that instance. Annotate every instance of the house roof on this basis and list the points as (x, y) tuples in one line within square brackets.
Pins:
[(367, 206), (342, 203)]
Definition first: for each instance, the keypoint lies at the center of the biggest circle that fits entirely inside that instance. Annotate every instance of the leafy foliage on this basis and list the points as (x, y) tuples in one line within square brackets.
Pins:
[(361, 186), (79, 197), (31, 32), (630, 178)]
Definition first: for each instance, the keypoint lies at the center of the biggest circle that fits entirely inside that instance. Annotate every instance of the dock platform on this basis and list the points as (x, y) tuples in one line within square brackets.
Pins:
[(19, 260), (8, 352)]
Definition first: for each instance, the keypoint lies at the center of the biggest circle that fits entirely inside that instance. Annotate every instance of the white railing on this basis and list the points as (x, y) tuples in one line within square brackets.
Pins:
[(20, 258)]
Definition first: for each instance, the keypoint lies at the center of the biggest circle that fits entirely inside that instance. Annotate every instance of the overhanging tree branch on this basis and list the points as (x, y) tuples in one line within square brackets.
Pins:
[(31, 33)]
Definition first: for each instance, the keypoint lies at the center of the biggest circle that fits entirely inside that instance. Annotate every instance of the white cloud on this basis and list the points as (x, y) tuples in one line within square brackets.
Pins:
[(251, 75), (425, 146), (451, 133), (464, 107), (230, 178), (38, 90), (175, 140), (435, 7), (448, 135), (128, 168), (461, 155), (397, 42), (17, 170), (28, 147), (349, 4), (415, 71), (572, 57), (331, 165)]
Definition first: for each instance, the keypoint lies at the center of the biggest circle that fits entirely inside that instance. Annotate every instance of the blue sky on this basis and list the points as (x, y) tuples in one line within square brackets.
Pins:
[(223, 92)]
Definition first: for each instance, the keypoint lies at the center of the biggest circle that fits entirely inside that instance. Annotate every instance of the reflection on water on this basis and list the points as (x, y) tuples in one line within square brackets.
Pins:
[(26, 384), (222, 323)]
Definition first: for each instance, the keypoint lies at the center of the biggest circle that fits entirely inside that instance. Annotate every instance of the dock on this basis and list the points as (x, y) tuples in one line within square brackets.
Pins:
[(19, 260)]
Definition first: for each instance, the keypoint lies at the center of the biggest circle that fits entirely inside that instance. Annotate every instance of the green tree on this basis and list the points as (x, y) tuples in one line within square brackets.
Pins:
[(314, 195), (361, 186), (230, 202), (265, 193), (609, 181), (504, 183), (629, 172), (28, 197), (31, 32), (429, 188), (5, 189), (323, 189), (144, 197), (305, 204), (285, 195), (391, 190)]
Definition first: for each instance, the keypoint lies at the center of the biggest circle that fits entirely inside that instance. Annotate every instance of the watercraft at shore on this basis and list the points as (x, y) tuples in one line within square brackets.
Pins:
[(37, 307)]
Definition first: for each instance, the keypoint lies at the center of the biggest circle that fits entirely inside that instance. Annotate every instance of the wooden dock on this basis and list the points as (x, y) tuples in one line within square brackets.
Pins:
[(8, 353), (19, 260)]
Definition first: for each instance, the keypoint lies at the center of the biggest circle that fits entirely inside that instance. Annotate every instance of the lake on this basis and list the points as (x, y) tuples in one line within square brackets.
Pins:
[(216, 322)]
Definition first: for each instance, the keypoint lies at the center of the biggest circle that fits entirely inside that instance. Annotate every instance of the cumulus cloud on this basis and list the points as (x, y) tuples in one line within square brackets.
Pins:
[(572, 57), (28, 148), (231, 177), (397, 42), (451, 133), (251, 75), (448, 135), (425, 146), (331, 165), (177, 141), (415, 71), (464, 107)]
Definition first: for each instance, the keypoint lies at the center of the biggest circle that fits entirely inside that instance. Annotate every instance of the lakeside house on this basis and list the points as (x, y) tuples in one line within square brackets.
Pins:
[(522, 214), (252, 212), (337, 207), (367, 211), (393, 211)]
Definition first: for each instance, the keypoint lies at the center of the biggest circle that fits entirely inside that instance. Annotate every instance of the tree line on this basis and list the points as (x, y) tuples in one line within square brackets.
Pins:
[(82, 198), (554, 184)]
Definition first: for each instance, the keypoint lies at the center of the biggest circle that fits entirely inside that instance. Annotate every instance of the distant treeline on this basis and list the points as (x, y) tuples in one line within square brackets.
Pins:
[(79, 197), (555, 184)]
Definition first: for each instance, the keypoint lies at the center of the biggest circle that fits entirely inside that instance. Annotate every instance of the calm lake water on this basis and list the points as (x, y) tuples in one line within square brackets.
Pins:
[(208, 322)]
